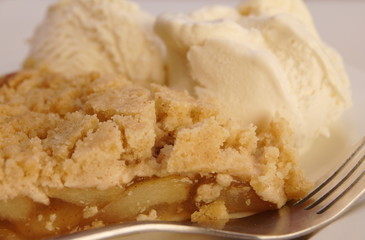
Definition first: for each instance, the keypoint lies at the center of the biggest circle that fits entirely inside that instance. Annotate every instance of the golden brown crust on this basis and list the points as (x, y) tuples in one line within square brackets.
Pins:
[(68, 125), (92, 134)]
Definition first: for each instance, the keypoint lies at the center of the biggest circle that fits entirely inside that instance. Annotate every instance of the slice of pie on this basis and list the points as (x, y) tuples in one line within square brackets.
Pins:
[(87, 151)]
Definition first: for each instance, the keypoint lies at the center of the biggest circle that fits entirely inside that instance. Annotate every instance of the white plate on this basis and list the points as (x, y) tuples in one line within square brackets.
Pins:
[(338, 22)]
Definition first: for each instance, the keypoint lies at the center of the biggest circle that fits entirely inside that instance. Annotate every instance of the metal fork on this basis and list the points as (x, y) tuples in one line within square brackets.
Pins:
[(322, 206)]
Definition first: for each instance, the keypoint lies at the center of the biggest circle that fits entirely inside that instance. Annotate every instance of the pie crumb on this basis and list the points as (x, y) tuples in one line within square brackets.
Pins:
[(214, 214)]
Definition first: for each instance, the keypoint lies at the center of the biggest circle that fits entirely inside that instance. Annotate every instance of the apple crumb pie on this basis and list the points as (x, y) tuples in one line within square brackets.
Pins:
[(89, 150)]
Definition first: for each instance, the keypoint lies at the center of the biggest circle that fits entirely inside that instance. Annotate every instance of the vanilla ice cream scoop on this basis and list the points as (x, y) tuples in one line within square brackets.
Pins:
[(111, 37), (268, 61)]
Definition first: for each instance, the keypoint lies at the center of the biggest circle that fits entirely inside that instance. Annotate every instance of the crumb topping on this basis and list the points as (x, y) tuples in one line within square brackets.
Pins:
[(90, 211), (92, 131), (152, 215), (213, 214), (208, 192)]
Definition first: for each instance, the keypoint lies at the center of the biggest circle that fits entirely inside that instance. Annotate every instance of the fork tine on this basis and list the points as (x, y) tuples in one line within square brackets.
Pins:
[(318, 201), (342, 193), (333, 175)]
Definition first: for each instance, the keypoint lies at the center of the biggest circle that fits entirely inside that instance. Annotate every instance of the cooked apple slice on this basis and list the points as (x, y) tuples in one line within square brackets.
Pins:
[(86, 197), (144, 195), (51, 220), (16, 209)]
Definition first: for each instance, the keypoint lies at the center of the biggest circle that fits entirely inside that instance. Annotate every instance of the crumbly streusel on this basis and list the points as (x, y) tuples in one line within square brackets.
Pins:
[(93, 131)]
